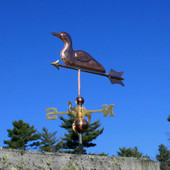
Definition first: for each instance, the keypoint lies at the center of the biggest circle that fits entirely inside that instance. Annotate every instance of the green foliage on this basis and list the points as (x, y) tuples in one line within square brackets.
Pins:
[(116, 163), (71, 139), (21, 164), (5, 160), (131, 152), (48, 162), (100, 154), (70, 166), (48, 140), (21, 135), (163, 157), (169, 118)]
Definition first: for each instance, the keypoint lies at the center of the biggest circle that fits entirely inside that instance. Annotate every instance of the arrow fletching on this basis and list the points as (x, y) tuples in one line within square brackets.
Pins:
[(115, 77)]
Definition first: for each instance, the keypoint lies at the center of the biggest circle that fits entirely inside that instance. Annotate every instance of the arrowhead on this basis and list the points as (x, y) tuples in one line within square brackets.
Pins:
[(56, 64)]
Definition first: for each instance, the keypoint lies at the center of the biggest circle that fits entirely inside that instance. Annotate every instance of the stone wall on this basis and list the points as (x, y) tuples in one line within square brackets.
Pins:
[(33, 160)]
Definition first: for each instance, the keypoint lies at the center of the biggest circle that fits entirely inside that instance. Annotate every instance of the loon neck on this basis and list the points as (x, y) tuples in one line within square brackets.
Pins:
[(67, 46)]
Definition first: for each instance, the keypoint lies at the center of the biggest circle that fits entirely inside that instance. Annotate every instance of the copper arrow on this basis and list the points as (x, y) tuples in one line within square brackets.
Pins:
[(114, 76)]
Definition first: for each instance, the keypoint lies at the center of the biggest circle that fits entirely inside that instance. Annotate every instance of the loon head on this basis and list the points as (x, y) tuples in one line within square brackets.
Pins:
[(65, 37)]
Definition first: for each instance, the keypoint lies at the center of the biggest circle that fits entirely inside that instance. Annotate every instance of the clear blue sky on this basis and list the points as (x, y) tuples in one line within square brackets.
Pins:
[(130, 36)]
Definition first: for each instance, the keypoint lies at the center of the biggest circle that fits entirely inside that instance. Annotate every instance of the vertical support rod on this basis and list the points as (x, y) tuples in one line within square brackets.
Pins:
[(80, 134), (79, 87), (80, 143)]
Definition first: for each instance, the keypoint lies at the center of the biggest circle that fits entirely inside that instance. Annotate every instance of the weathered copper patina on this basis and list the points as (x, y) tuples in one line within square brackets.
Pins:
[(114, 76), (77, 58), (79, 101), (80, 125), (81, 60)]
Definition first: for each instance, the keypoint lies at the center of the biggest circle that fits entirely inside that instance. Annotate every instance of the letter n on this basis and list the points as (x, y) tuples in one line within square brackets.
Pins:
[(108, 110)]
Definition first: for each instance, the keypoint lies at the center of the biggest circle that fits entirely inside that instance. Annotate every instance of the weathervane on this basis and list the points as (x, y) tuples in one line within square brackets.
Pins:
[(81, 61)]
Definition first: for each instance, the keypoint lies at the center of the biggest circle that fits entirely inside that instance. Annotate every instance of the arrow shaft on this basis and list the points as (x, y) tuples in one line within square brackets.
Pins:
[(89, 71)]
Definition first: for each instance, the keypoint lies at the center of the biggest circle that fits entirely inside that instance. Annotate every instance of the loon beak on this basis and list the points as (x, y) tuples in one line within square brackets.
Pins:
[(56, 34)]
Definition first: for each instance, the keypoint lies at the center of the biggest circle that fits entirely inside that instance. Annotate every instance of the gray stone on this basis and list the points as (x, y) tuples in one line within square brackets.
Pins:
[(33, 160)]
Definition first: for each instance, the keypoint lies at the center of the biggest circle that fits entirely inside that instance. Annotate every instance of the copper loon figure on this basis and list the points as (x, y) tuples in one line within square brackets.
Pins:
[(80, 60), (77, 58)]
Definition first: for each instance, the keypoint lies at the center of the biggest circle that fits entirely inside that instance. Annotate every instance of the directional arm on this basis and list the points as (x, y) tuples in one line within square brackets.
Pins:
[(80, 111), (106, 110), (52, 115)]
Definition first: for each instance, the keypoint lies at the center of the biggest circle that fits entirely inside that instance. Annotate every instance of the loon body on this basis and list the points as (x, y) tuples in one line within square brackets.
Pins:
[(78, 58)]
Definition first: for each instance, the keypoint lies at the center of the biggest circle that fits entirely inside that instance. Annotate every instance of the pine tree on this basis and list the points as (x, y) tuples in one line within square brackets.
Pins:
[(169, 118), (131, 152), (20, 135), (48, 141), (71, 139), (99, 154), (163, 157)]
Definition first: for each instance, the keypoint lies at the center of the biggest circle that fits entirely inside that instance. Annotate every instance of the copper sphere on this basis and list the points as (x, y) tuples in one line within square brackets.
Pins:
[(80, 125), (79, 100)]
